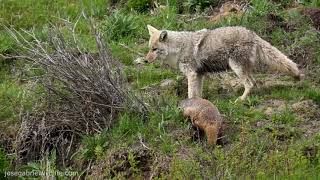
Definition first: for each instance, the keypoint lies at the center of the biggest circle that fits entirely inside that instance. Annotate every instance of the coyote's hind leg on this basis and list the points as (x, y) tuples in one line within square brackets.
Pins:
[(244, 76), (248, 85)]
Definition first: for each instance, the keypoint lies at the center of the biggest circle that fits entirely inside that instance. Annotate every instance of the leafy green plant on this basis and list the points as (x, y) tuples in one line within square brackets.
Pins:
[(285, 3), (286, 117), (46, 165), (119, 25), (94, 146), (133, 163), (193, 5), (140, 5), (185, 169), (178, 5)]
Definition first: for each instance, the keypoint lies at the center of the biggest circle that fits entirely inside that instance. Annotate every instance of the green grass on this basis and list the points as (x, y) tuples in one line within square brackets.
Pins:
[(276, 149), (36, 13), (4, 163), (314, 94), (147, 76), (15, 96)]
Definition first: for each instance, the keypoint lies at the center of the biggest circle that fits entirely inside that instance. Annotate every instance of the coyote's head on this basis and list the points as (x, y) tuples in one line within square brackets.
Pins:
[(157, 44)]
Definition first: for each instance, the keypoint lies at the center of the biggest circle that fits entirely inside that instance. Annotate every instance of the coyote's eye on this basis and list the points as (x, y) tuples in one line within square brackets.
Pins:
[(154, 49)]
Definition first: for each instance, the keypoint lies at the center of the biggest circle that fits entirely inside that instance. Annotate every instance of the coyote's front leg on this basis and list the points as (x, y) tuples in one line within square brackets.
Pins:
[(195, 82)]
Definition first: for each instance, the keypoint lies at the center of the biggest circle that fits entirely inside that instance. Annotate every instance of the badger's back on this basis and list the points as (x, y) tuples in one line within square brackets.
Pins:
[(196, 106)]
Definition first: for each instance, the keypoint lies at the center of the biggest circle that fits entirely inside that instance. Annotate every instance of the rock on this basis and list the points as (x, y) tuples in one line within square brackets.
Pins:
[(167, 83), (139, 60)]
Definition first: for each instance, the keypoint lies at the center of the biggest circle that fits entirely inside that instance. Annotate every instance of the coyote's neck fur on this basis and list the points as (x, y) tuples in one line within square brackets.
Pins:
[(180, 44)]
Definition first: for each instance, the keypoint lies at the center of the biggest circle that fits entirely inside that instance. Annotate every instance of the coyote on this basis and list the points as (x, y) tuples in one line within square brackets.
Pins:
[(204, 115), (200, 52)]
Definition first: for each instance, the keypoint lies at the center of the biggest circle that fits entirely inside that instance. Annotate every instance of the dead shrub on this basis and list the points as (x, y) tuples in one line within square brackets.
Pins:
[(84, 94)]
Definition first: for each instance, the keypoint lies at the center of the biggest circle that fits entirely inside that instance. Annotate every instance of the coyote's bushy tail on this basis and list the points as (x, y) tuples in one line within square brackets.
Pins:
[(275, 59)]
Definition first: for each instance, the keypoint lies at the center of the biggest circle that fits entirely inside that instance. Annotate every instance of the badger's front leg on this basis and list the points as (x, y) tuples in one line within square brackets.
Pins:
[(195, 83)]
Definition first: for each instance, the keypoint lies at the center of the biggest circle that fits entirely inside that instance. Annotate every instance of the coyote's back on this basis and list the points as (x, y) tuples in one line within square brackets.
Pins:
[(242, 47)]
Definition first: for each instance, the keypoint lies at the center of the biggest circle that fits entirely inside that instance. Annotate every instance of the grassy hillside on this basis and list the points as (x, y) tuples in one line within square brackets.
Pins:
[(273, 134)]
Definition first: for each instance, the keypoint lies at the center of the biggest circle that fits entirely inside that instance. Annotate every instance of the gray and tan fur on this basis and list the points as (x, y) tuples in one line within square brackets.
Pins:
[(204, 115), (205, 51)]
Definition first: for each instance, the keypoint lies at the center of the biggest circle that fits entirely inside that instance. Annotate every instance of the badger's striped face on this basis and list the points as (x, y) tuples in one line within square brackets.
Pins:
[(157, 46)]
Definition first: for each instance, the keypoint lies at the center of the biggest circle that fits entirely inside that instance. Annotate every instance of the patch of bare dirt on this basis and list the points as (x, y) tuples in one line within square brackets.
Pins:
[(272, 106), (227, 9), (227, 83), (310, 128), (186, 153), (276, 21), (7, 138), (304, 56), (127, 162), (135, 162), (177, 86), (307, 112), (311, 152), (314, 15), (306, 109)]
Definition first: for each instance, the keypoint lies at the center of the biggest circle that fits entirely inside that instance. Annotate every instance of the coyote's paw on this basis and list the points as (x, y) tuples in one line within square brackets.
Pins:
[(302, 76), (239, 100), (299, 77)]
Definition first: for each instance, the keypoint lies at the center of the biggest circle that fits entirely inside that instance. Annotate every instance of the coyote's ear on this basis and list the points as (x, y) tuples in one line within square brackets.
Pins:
[(163, 36), (152, 30)]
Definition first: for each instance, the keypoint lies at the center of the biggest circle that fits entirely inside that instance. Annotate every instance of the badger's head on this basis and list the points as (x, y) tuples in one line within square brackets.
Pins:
[(158, 46), (187, 103)]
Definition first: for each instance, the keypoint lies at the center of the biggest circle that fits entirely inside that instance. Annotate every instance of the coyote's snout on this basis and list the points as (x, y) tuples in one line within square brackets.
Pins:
[(205, 51)]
